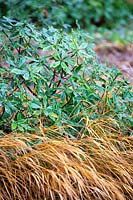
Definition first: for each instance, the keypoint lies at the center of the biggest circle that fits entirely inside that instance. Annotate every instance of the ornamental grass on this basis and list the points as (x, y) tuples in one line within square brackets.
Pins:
[(34, 167)]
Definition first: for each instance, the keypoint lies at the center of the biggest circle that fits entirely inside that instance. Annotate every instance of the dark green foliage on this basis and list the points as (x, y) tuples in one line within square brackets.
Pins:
[(61, 12), (63, 87)]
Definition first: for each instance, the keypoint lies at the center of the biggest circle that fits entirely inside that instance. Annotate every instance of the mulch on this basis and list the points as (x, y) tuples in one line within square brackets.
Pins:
[(117, 55)]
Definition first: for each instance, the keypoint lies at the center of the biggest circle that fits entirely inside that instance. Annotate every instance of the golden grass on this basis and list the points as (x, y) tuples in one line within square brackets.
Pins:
[(95, 168)]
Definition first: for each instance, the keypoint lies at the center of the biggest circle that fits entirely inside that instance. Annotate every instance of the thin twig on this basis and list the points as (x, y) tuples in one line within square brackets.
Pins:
[(53, 78), (9, 39), (67, 102), (14, 89), (31, 90)]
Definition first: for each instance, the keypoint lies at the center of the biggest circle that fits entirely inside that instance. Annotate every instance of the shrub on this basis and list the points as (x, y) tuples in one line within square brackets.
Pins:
[(63, 87)]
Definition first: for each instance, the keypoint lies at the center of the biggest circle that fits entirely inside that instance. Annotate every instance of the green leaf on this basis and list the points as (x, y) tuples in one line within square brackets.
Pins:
[(18, 71), (66, 68), (27, 127), (45, 100), (54, 115), (26, 76), (14, 125), (34, 105), (55, 64), (19, 116)]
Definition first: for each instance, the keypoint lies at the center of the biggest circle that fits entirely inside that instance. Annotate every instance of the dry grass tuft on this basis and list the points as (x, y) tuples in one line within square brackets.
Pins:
[(91, 168)]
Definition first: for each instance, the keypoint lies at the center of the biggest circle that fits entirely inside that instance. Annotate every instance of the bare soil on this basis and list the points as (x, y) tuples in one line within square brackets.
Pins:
[(116, 55)]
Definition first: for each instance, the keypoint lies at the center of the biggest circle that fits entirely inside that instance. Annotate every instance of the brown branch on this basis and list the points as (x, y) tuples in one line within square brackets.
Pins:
[(31, 91), (9, 39), (67, 102), (15, 89), (53, 78)]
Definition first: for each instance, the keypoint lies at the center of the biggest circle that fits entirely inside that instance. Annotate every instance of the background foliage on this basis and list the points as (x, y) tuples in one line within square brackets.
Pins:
[(62, 12)]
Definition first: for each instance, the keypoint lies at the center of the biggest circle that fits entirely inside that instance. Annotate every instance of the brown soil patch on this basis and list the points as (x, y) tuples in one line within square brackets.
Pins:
[(116, 55)]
